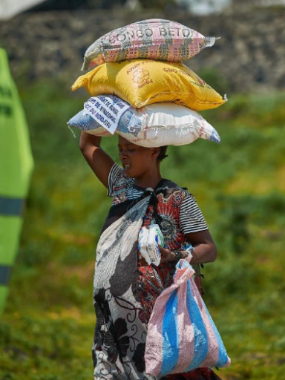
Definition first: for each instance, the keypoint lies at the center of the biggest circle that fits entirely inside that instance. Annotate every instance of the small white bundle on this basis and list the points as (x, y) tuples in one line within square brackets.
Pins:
[(149, 241)]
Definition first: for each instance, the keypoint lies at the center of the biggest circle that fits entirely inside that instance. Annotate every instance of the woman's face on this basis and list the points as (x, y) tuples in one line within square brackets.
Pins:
[(136, 160)]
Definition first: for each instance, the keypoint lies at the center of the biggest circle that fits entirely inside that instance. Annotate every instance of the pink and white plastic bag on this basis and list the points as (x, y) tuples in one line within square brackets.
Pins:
[(181, 333)]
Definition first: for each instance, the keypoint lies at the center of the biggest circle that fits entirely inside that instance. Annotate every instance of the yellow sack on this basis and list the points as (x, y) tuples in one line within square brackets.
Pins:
[(143, 81)]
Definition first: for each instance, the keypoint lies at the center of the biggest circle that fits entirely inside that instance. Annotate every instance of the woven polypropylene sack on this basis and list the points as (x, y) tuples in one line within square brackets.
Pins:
[(181, 333), (141, 82), (153, 39), (155, 125)]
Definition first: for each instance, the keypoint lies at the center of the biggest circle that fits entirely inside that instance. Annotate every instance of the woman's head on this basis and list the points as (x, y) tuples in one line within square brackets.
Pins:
[(138, 160)]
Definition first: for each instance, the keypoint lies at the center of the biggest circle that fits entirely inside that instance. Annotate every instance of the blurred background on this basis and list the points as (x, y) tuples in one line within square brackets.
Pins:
[(46, 329)]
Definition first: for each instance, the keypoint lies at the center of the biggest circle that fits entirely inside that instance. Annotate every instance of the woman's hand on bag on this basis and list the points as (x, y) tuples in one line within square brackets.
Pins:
[(168, 256)]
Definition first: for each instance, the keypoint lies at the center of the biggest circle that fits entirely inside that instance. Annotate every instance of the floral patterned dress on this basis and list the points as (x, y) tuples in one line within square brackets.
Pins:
[(125, 287)]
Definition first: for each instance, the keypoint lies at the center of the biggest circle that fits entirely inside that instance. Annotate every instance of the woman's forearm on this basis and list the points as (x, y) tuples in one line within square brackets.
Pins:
[(205, 250), (88, 141), (98, 160), (204, 253)]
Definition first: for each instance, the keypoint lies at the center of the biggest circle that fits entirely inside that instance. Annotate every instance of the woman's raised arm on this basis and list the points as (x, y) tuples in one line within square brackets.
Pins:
[(98, 160)]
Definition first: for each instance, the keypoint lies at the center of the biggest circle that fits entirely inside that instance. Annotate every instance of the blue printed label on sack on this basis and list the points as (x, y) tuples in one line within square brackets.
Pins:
[(106, 110)]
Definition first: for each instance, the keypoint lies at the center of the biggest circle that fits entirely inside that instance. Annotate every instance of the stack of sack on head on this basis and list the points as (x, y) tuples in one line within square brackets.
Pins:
[(141, 90)]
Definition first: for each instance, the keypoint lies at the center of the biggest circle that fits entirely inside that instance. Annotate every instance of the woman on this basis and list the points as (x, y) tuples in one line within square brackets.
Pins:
[(125, 287)]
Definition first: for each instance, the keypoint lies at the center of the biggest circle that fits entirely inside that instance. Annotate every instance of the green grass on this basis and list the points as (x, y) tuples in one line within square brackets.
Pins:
[(46, 329)]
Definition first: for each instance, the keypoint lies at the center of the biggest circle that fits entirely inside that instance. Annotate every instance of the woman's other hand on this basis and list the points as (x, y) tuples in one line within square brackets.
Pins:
[(168, 256)]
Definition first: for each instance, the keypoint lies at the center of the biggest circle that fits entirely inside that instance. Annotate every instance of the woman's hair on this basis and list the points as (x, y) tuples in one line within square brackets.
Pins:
[(162, 153)]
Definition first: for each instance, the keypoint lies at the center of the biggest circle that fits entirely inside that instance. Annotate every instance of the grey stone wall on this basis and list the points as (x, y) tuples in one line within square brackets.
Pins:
[(250, 56)]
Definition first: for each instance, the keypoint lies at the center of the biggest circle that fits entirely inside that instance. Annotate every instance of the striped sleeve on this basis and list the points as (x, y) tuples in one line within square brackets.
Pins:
[(114, 174), (191, 218)]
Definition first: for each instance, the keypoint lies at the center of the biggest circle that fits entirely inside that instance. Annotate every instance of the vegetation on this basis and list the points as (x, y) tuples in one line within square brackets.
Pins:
[(46, 329)]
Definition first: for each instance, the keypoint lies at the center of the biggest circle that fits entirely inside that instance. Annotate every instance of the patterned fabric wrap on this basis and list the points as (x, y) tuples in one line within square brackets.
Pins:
[(120, 334), (156, 125), (181, 333), (156, 39)]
